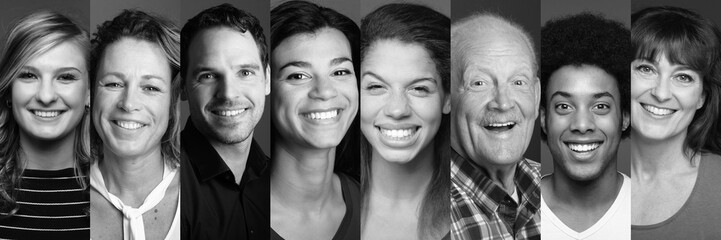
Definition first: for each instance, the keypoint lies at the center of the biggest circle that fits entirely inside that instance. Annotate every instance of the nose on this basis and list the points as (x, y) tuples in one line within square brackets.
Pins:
[(130, 100), (323, 89), (397, 107), (501, 101), (662, 91), (46, 94), (226, 88), (583, 122)]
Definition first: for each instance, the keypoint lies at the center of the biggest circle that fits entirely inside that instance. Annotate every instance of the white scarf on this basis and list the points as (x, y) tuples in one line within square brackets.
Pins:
[(133, 226)]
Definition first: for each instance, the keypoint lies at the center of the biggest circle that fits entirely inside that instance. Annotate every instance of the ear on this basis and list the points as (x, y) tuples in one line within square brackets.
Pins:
[(542, 111), (447, 104), (267, 80), (537, 88), (87, 98), (626, 121)]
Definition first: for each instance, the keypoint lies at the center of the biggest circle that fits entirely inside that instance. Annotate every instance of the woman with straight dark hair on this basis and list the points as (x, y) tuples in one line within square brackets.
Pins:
[(135, 115), (314, 193), (44, 147), (405, 101), (675, 138)]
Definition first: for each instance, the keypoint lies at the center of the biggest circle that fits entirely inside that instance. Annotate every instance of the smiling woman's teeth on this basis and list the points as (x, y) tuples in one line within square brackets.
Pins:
[(577, 147), (230, 113), (46, 114), (398, 133), (658, 111), (322, 115), (129, 124)]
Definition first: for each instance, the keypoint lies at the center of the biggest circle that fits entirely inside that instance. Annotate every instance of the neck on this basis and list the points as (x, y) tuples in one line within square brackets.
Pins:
[(590, 194), (402, 181), (651, 158), (48, 155), (302, 177), (502, 175), (132, 178), (234, 155)]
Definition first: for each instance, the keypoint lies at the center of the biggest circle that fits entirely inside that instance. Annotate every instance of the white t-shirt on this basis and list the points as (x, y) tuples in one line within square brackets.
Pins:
[(615, 224)]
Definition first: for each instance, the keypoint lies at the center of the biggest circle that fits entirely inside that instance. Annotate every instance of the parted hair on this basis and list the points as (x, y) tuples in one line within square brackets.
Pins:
[(416, 24)]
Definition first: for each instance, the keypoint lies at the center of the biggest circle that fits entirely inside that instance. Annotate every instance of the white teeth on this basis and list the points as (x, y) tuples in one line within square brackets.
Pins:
[(129, 124), (500, 124), (322, 115), (658, 111), (585, 147), (46, 114), (230, 113), (398, 133)]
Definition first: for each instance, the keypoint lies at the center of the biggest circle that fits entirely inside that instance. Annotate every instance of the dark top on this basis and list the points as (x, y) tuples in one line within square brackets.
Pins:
[(700, 216), (52, 205), (349, 228), (213, 205)]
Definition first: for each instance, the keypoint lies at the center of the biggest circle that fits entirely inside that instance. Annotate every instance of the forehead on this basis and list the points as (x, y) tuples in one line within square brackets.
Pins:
[(210, 43), (134, 56), (495, 50), (582, 81), (65, 54), (323, 44), (396, 60)]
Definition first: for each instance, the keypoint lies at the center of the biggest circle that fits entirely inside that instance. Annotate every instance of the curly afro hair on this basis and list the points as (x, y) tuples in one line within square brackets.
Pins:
[(587, 39)]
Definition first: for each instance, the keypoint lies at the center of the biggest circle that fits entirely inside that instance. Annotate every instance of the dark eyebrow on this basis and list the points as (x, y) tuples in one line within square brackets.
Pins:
[(62, 69), (372, 74), (252, 66), (300, 64), (603, 94), (123, 77), (596, 95), (339, 60)]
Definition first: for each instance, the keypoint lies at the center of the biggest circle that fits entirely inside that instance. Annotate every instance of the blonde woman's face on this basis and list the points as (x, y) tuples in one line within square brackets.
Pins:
[(50, 92)]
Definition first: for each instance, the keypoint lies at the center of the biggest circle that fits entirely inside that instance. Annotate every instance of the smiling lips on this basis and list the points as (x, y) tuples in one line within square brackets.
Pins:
[(47, 114), (657, 110), (229, 113), (500, 126), (398, 134), (130, 125), (583, 147), (322, 115)]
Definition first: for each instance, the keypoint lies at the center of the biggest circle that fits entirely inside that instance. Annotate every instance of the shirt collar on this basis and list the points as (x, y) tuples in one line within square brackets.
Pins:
[(473, 179), (208, 164)]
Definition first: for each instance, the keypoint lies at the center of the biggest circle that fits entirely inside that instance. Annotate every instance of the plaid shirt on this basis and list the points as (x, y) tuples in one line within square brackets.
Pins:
[(482, 210)]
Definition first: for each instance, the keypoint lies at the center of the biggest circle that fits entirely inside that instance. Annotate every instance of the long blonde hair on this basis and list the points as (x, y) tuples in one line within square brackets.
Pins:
[(32, 36)]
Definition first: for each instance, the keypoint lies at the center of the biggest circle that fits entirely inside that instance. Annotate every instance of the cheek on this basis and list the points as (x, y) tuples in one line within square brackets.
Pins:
[(638, 86), (556, 125), (526, 102), (21, 93), (350, 90), (428, 109), (610, 124), (370, 107)]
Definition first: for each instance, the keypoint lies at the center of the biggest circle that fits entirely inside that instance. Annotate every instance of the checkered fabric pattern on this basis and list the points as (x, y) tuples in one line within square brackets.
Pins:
[(482, 210)]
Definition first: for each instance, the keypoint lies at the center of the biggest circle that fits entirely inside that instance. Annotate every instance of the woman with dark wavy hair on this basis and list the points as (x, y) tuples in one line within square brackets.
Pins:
[(135, 115), (314, 59), (675, 138), (44, 147), (405, 101)]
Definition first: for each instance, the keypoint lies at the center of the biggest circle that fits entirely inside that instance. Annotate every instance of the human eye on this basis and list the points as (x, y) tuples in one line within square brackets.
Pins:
[(246, 73), (645, 69), (205, 77), (341, 72), (684, 78), (563, 108), (27, 75), (151, 88), (297, 76), (519, 82), (68, 77), (421, 90), (113, 85), (602, 108), (375, 88), (478, 84)]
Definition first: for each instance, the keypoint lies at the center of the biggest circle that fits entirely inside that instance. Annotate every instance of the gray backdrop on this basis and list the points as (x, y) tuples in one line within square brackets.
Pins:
[(523, 12), (618, 10)]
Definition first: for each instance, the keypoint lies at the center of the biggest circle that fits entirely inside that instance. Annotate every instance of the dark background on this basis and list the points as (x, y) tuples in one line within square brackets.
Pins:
[(618, 10), (525, 13)]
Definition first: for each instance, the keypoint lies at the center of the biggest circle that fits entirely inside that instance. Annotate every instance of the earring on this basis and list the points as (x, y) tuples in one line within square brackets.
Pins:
[(87, 108), (9, 103)]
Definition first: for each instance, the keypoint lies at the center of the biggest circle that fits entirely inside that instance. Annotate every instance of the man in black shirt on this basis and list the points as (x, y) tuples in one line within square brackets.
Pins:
[(225, 79)]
